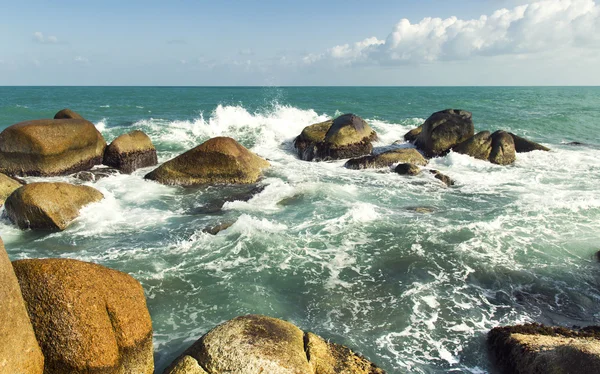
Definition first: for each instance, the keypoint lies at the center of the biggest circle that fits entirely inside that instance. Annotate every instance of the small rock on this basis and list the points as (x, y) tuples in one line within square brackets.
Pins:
[(95, 174), (421, 209), (407, 169), (67, 114), (214, 230), (387, 159), (129, 152), (524, 145), (413, 134), (442, 177)]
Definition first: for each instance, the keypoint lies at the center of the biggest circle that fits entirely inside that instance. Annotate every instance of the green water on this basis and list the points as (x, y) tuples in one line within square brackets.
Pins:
[(342, 252)]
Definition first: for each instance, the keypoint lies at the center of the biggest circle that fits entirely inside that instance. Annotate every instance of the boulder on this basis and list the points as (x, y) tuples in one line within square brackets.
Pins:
[(407, 169), (523, 145), (129, 152), (413, 134), (534, 348), (49, 206), (256, 344), (387, 159), (7, 186), (67, 114), (442, 177), (219, 160), (19, 349), (87, 318), (444, 130), (49, 147), (498, 148), (346, 136)]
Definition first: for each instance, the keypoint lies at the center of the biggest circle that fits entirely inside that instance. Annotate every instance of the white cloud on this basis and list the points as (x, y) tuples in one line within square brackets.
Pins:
[(81, 59), (39, 37), (541, 27)]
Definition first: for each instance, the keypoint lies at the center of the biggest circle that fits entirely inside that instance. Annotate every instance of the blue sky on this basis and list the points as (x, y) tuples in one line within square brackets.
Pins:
[(427, 42)]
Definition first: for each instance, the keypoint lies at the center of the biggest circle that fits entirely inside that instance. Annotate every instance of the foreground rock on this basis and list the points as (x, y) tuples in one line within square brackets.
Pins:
[(48, 206), (523, 145), (407, 169), (534, 348), (256, 344), (344, 137), (387, 159), (219, 160), (19, 350), (87, 318), (7, 186), (67, 114), (444, 130), (129, 152), (49, 147), (497, 148)]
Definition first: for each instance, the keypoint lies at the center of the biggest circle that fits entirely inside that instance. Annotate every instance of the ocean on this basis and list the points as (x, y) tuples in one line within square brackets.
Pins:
[(344, 253)]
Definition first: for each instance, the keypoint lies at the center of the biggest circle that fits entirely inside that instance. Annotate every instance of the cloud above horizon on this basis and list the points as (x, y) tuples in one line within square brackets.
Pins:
[(531, 29), (39, 37)]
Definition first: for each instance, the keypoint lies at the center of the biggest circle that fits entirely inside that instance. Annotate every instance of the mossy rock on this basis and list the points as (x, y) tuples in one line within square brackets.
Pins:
[(131, 151), (67, 114), (444, 130), (497, 148), (87, 318), (219, 160), (503, 148), (50, 147), (19, 349), (306, 142), (48, 206), (7, 186), (387, 159)]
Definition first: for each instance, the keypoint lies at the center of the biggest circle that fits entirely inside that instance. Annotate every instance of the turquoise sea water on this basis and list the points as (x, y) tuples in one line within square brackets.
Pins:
[(342, 252)]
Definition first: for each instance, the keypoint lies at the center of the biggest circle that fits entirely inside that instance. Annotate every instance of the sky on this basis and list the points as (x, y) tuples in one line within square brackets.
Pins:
[(294, 42)]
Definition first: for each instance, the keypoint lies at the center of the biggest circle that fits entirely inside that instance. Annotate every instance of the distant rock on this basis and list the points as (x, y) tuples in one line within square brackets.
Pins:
[(48, 206), (523, 145), (67, 114), (219, 160), (407, 169), (256, 344), (344, 137), (49, 147), (7, 186), (442, 177), (387, 159), (131, 151), (19, 349), (444, 130), (413, 134), (534, 348), (87, 318), (497, 148)]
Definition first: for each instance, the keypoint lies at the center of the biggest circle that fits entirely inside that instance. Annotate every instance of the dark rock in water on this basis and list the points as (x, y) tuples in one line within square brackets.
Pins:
[(345, 137), (598, 256), (95, 174), (442, 177), (498, 148), (421, 209), (233, 193), (576, 143), (67, 114), (503, 148), (413, 134), (535, 348), (215, 229), (129, 152), (260, 344), (407, 169), (291, 200), (444, 130), (523, 145), (387, 159)]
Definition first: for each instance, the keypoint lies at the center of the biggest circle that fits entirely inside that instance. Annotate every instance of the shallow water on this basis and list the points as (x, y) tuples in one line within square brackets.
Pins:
[(343, 253)]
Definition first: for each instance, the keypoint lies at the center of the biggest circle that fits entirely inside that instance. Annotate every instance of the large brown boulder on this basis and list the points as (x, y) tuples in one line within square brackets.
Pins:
[(444, 130), (19, 350), (256, 344), (498, 148), (48, 147), (219, 160), (48, 206), (523, 145), (67, 114), (7, 186), (535, 348), (344, 137), (87, 318), (129, 152), (387, 159)]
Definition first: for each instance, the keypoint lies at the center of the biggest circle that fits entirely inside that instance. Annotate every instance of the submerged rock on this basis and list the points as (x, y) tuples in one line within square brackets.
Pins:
[(442, 177), (19, 349), (7, 186), (67, 114), (523, 145), (219, 160), (95, 174), (407, 169), (256, 344), (498, 148), (87, 318), (49, 147), (534, 348), (387, 159), (49, 206), (346, 136), (129, 152), (215, 229), (444, 130)]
